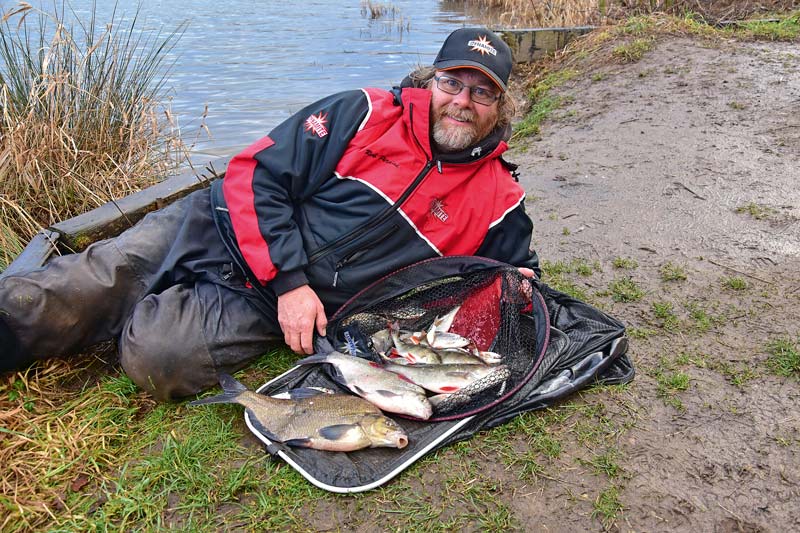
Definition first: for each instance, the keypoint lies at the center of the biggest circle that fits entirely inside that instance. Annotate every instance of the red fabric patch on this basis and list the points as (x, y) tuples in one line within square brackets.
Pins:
[(238, 189), (479, 316)]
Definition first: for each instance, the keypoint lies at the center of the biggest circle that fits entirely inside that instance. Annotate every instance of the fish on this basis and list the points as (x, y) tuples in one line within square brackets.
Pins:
[(455, 356), (415, 353), (443, 378), (313, 419), (451, 401), (441, 324), (381, 341), (444, 340), (375, 384)]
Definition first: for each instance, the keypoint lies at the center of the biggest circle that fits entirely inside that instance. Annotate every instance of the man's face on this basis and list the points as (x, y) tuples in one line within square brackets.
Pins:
[(457, 121)]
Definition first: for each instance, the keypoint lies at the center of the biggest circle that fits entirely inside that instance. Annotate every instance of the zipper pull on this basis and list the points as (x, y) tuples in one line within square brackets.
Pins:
[(335, 278), (439, 166)]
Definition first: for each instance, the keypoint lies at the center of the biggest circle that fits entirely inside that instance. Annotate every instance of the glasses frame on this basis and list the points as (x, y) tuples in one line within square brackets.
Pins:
[(462, 86)]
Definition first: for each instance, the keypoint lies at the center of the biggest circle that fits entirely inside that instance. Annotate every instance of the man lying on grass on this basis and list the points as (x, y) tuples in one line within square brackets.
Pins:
[(351, 188)]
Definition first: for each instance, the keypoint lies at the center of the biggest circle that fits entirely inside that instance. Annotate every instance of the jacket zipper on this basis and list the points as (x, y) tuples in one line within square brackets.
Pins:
[(375, 222), (358, 252)]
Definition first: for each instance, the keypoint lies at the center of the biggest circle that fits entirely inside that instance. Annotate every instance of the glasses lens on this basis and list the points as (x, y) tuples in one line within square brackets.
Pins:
[(483, 96), (477, 94), (449, 85)]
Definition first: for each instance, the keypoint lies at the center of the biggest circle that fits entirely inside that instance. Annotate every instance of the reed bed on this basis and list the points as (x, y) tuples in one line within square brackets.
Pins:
[(81, 120), (549, 13)]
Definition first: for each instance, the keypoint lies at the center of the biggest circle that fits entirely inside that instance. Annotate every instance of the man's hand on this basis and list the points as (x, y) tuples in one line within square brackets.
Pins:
[(299, 310), (527, 272)]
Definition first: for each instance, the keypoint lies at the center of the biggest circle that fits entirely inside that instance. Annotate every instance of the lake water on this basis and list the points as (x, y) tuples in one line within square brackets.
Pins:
[(253, 63)]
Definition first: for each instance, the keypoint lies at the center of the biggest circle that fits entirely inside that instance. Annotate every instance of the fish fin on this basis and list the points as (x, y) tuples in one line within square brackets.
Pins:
[(387, 393), (232, 389), (358, 390), (304, 392), (229, 383), (448, 390), (226, 397), (304, 442), (337, 431)]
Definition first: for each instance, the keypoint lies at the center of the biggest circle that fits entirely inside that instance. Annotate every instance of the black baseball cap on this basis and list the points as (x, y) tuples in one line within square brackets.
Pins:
[(477, 48)]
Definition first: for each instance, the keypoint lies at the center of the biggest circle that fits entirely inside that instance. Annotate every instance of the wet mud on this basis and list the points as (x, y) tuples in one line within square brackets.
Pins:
[(687, 159)]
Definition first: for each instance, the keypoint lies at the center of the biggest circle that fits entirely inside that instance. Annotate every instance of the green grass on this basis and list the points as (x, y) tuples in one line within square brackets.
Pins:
[(702, 319), (784, 357), (672, 272), (625, 290), (607, 506), (632, 51), (542, 103), (786, 29), (606, 463), (560, 276), (669, 384), (757, 211), (625, 263), (664, 312), (640, 333), (734, 283)]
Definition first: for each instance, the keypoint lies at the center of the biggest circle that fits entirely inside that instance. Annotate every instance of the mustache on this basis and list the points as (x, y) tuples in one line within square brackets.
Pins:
[(457, 113)]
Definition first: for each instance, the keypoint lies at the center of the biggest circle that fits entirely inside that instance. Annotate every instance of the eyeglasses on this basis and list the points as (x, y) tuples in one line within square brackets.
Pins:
[(478, 94)]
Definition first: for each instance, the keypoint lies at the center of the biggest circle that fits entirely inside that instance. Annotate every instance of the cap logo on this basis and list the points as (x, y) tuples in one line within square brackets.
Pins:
[(482, 45), (316, 124)]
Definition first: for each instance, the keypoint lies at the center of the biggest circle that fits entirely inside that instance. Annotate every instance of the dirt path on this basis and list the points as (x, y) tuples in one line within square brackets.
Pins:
[(686, 162)]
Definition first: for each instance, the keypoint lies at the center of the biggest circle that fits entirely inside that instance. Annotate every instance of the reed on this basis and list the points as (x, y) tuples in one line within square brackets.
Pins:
[(550, 13), (80, 116)]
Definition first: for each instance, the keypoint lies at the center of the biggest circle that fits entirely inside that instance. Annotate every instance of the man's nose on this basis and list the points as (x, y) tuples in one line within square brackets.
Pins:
[(463, 98)]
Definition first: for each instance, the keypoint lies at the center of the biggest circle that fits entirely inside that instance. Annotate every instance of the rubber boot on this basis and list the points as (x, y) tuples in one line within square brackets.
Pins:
[(12, 355)]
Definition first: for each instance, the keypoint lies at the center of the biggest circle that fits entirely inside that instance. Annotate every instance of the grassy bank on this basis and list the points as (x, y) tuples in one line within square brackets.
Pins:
[(82, 120), (627, 42)]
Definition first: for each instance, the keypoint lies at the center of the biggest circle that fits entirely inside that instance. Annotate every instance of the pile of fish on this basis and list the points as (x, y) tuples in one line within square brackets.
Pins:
[(413, 364), (418, 371)]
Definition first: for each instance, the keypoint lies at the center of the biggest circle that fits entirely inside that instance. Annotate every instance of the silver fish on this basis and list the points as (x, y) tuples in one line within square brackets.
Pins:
[(444, 340), (415, 353), (313, 419), (382, 341), (457, 356), (442, 378), (370, 381), (451, 401)]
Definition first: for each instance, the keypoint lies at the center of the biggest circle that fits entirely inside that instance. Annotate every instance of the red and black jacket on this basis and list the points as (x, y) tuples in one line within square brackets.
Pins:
[(349, 189)]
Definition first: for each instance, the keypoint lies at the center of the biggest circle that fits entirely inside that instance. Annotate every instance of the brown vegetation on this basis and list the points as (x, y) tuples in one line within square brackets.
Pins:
[(82, 121), (526, 13)]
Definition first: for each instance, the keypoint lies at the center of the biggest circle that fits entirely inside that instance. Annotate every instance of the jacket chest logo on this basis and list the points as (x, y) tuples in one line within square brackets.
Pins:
[(316, 124), (437, 210)]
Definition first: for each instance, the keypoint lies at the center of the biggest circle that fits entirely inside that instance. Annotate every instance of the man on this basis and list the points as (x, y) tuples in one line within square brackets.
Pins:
[(351, 188)]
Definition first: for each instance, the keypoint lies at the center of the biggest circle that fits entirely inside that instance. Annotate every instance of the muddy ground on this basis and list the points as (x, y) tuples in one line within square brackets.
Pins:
[(688, 158)]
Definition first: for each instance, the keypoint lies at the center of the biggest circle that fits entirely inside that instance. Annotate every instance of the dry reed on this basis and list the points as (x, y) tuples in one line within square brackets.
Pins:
[(548, 13), (80, 117)]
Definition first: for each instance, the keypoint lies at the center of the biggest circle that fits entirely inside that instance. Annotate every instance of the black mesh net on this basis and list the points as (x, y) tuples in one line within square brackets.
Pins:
[(493, 311)]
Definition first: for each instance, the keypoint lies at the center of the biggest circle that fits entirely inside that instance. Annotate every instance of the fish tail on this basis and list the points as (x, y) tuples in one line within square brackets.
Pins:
[(232, 389)]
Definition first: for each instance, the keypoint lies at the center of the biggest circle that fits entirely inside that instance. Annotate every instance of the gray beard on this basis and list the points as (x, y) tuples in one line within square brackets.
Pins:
[(453, 139)]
